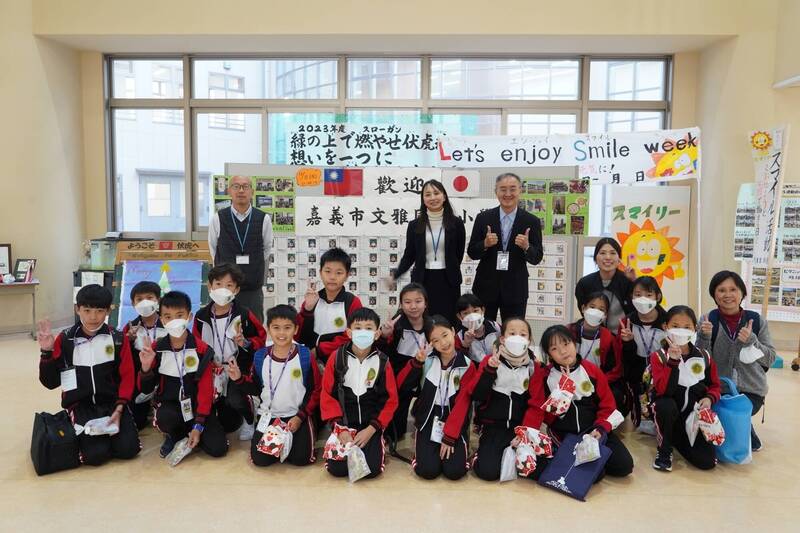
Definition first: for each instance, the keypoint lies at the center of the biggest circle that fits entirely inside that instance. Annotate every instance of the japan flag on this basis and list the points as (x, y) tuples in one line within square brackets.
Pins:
[(464, 183)]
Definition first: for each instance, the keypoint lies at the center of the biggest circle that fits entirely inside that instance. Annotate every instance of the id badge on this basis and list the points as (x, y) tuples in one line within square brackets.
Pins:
[(502, 260), (437, 431), (263, 423), (242, 259), (69, 379), (186, 409)]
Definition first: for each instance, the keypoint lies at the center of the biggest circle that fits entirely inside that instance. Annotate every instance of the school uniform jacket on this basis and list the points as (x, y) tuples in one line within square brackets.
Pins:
[(620, 286), (153, 334), (435, 386), (369, 393), (414, 254), (592, 407), (296, 380), (323, 328), (404, 342), (605, 351), (253, 331), (166, 373), (687, 380), (510, 286), (644, 342), (501, 394), (103, 366), (480, 347)]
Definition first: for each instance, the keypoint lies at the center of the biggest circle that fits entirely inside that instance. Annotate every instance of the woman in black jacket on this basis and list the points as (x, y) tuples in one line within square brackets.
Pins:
[(609, 279), (435, 244)]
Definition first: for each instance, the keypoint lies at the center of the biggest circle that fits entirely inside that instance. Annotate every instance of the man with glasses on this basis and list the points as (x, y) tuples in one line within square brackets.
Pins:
[(504, 239), (242, 236)]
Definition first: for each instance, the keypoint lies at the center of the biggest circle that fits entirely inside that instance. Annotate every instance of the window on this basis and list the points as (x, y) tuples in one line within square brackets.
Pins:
[(382, 116), (383, 78), (280, 124), (504, 80), (627, 80), (226, 86), (467, 123), (623, 121), (269, 79), (541, 124)]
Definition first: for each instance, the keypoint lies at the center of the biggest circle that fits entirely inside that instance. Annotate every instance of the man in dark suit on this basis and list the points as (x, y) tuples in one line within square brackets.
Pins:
[(504, 239)]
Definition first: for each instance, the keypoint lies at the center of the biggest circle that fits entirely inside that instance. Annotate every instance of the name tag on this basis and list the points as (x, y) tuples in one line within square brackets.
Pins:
[(437, 431), (242, 259), (69, 379), (263, 423), (186, 409), (502, 260)]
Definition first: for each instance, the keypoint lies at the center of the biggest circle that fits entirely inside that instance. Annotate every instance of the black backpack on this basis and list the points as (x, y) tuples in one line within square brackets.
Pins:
[(54, 445)]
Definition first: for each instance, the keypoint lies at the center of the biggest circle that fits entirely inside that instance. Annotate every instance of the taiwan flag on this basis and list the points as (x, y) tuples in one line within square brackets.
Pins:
[(344, 182)]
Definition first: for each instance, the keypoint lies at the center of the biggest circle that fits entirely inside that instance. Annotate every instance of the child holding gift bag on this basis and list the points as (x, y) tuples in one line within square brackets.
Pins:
[(683, 376), (437, 378), (571, 395)]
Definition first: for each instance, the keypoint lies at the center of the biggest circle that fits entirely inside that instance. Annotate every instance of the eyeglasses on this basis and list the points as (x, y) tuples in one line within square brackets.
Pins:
[(241, 187)]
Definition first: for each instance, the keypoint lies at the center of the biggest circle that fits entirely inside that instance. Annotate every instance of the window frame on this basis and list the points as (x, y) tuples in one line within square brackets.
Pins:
[(191, 106)]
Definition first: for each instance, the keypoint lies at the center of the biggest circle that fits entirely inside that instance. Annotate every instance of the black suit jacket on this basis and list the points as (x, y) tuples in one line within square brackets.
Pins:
[(414, 254), (512, 284)]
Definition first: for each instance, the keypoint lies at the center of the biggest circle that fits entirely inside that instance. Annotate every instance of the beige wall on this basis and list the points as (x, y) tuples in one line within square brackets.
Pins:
[(787, 62), (41, 150)]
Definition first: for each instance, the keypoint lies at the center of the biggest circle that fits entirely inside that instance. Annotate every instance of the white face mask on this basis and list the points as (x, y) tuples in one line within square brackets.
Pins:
[(643, 304), (516, 344), (681, 336), (90, 330), (222, 296), (176, 327), (363, 338), (472, 321), (146, 308), (594, 317)]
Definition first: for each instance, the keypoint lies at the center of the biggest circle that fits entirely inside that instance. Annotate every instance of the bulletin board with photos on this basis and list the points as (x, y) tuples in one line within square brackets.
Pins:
[(787, 246), (783, 292), (562, 205), (272, 194)]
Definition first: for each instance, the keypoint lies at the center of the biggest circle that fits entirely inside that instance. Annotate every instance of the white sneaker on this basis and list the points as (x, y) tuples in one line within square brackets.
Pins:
[(247, 431), (648, 427)]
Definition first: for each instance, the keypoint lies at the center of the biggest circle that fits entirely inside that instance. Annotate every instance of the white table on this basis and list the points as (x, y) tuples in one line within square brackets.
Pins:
[(28, 287)]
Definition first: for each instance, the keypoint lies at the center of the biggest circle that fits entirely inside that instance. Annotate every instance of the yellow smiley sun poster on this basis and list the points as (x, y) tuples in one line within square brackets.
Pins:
[(651, 225)]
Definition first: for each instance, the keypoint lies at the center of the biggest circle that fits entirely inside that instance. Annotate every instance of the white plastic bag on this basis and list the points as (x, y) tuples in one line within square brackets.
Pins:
[(100, 426), (357, 466), (508, 466), (587, 450), (692, 425), (750, 354), (179, 452)]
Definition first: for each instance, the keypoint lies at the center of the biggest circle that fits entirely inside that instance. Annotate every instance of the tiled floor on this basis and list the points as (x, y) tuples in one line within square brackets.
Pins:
[(229, 494)]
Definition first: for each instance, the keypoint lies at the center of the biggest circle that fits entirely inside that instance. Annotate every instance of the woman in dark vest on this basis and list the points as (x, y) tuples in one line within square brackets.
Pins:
[(434, 250)]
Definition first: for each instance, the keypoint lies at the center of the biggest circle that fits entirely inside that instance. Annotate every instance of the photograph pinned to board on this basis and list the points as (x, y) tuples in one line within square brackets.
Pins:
[(273, 195), (562, 205), (23, 270), (5, 259)]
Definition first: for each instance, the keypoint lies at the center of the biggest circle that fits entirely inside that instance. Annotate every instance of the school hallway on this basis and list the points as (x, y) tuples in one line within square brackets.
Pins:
[(230, 494)]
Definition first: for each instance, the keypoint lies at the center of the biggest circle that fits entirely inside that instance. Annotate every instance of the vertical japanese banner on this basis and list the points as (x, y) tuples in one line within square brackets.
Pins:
[(652, 226), (768, 149)]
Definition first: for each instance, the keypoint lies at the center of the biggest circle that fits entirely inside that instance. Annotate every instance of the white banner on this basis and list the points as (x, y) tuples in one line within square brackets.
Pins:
[(372, 215), (397, 180), (663, 155), (768, 148)]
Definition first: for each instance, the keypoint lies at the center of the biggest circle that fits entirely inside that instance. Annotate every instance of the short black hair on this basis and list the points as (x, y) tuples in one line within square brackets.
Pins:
[(648, 283), (415, 287), (226, 269), (364, 314), (176, 300), (681, 310), (468, 300), (436, 321), (609, 241), (282, 311), (596, 295), (94, 296), (559, 331), (724, 275), (336, 255), (146, 287), (511, 319)]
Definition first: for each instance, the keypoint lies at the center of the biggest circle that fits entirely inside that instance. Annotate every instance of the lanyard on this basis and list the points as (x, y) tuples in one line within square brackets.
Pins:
[(155, 331), (242, 241), (220, 340), (275, 388), (734, 333), (180, 366), (596, 334), (443, 400), (435, 242), (649, 346)]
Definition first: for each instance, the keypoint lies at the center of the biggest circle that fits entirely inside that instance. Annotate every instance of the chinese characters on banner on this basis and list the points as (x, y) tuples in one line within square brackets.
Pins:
[(561, 205), (636, 157), (787, 246), (652, 226), (274, 195), (768, 148), (362, 145)]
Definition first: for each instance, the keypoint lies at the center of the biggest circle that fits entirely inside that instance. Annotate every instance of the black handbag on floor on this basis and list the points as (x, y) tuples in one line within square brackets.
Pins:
[(54, 445)]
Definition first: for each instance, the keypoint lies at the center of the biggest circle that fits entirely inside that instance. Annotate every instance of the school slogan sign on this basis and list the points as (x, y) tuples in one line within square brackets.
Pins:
[(636, 157)]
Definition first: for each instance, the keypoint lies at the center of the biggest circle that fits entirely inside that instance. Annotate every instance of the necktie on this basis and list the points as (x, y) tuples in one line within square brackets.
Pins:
[(505, 228)]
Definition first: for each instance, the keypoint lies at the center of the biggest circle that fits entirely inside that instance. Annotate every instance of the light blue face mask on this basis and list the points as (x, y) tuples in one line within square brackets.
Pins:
[(363, 338)]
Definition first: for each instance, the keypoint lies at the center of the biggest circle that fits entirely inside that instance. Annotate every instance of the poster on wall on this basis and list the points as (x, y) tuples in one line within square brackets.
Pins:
[(768, 148), (274, 195), (783, 292), (787, 246), (548, 293), (652, 226), (562, 205)]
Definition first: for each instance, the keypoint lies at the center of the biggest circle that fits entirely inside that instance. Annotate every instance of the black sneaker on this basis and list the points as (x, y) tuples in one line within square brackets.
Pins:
[(663, 461), (755, 442), (167, 447)]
